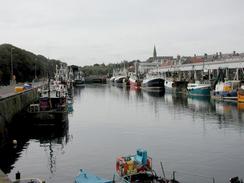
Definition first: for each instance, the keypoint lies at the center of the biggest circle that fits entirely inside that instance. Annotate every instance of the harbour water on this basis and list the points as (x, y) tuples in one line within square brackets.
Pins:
[(198, 138)]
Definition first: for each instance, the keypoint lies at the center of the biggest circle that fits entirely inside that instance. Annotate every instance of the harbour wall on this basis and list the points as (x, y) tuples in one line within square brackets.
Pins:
[(12, 105)]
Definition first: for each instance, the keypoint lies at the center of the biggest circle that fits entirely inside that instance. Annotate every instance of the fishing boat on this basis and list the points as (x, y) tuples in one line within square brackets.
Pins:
[(119, 79), (153, 83), (226, 90), (198, 89), (134, 81), (51, 108), (48, 111), (112, 79), (79, 81), (173, 86), (240, 93)]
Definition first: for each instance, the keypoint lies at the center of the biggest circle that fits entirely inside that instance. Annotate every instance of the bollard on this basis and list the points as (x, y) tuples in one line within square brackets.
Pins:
[(17, 176)]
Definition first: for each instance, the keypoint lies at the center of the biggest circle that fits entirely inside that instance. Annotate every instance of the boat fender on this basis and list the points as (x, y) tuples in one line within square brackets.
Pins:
[(117, 166), (149, 164), (125, 168), (57, 93)]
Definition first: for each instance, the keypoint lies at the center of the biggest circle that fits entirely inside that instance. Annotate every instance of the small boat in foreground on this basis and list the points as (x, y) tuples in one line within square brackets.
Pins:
[(138, 168), (134, 169), (129, 169), (86, 177)]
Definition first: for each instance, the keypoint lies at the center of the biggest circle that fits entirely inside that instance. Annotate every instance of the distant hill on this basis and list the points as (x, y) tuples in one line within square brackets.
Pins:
[(24, 64)]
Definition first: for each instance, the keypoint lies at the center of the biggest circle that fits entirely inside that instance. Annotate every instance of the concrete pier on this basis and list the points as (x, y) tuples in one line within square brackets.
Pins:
[(12, 103)]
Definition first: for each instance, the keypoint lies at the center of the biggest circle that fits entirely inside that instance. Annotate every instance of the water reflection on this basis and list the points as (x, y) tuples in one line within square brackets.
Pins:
[(78, 90), (195, 135), (47, 136), (155, 94), (225, 113)]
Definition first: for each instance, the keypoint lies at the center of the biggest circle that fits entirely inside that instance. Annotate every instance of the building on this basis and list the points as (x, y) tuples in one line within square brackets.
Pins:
[(155, 61)]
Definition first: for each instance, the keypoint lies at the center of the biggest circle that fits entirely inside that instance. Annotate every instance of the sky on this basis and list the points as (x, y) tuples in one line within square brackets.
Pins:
[(85, 32)]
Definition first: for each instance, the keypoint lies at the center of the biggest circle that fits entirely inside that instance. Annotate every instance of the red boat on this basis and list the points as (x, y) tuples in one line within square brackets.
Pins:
[(134, 82)]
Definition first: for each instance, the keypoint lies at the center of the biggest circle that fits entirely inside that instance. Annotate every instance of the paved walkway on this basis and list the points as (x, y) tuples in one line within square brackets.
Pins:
[(6, 91)]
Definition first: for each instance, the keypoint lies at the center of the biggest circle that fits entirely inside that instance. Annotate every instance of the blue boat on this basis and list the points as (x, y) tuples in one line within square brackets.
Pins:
[(226, 90), (86, 177), (197, 89), (129, 169)]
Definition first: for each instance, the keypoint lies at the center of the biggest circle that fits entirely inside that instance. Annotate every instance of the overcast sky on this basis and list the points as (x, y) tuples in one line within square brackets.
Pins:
[(102, 31)]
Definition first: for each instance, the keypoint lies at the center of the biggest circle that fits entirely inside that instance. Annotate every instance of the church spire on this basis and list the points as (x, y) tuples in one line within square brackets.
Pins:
[(154, 53)]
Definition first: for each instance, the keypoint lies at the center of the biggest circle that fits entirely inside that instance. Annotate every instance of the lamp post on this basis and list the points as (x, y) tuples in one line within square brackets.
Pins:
[(12, 69)]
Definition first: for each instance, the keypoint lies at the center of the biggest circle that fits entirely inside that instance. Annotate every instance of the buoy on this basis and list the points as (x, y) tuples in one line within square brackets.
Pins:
[(15, 142)]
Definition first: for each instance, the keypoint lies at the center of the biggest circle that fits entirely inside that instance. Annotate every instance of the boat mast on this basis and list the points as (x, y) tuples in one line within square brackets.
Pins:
[(49, 97)]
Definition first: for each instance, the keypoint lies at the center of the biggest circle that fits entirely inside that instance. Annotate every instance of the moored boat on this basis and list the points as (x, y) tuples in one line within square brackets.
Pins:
[(173, 86), (79, 81), (119, 79), (134, 81), (48, 111), (240, 94), (112, 79), (226, 90), (153, 83), (51, 108), (198, 89)]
